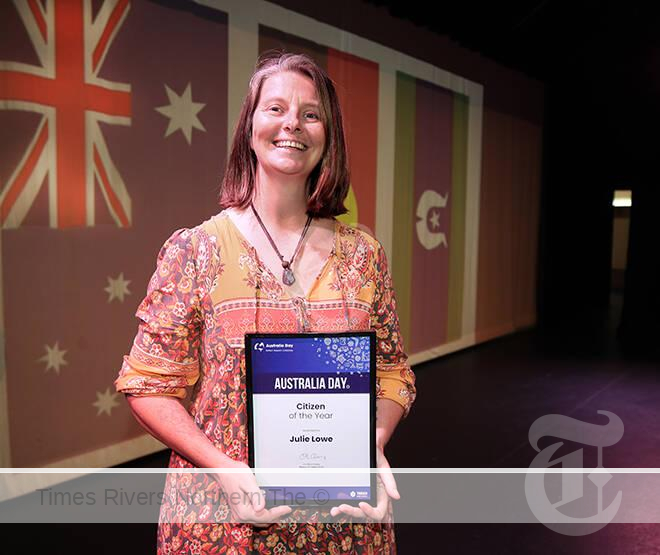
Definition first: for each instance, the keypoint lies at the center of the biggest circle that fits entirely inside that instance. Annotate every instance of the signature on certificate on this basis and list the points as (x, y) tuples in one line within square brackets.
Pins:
[(311, 457)]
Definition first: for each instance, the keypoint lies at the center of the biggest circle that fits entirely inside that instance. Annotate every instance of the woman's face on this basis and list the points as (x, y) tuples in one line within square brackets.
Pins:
[(288, 136)]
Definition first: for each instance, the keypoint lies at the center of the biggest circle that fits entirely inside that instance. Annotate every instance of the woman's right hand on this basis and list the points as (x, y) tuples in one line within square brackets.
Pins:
[(166, 419), (246, 501)]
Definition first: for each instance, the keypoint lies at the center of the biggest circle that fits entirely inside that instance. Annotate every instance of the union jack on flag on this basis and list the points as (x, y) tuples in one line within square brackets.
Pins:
[(97, 98), (68, 150)]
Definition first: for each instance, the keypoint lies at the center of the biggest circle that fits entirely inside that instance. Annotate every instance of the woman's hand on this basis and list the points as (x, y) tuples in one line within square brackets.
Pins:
[(386, 490), (167, 420), (246, 501)]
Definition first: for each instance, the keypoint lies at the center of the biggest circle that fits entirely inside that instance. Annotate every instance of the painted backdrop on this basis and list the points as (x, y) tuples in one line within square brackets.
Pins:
[(115, 117)]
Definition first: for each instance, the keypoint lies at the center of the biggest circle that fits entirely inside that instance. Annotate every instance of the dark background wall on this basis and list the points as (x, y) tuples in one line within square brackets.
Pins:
[(602, 109)]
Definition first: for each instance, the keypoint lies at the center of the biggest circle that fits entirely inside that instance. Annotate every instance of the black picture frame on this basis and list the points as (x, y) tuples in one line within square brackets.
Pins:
[(250, 339)]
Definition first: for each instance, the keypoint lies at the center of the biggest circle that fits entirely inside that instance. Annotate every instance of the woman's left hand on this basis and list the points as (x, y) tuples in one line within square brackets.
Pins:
[(386, 490)]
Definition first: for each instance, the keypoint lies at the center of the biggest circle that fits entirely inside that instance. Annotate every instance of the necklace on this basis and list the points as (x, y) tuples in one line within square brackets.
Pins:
[(287, 274)]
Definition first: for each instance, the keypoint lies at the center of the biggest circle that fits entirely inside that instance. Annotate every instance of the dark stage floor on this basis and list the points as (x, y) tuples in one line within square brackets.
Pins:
[(474, 409), (477, 407)]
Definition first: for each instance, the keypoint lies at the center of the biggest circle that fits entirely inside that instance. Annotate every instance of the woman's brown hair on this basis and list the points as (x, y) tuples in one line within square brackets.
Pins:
[(327, 185)]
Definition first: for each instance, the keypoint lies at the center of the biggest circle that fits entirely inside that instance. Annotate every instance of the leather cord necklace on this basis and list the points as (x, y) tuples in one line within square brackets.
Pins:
[(287, 274)]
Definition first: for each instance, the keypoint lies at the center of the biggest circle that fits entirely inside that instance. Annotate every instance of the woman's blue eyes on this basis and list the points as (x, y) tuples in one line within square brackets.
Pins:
[(309, 115)]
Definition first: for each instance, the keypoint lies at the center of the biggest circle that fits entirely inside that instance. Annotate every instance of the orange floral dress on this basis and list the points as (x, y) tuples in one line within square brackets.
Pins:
[(210, 289)]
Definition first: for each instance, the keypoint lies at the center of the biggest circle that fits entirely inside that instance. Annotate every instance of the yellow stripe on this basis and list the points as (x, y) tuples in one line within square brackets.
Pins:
[(402, 214), (457, 231)]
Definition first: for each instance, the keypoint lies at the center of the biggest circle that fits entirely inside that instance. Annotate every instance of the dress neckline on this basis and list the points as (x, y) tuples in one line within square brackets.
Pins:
[(286, 289)]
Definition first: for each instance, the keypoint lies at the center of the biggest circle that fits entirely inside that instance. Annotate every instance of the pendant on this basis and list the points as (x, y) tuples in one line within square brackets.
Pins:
[(287, 276)]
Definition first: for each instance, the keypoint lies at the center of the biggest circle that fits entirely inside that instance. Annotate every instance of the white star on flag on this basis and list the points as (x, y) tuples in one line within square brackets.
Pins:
[(435, 219), (105, 402), (182, 113), (117, 288), (54, 357)]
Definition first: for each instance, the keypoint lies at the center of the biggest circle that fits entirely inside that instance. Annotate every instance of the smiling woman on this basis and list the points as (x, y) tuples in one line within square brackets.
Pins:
[(273, 87), (288, 135), (286, 180)]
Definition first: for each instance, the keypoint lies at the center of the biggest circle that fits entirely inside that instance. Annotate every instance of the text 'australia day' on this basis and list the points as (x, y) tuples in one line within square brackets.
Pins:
[(313, 383)]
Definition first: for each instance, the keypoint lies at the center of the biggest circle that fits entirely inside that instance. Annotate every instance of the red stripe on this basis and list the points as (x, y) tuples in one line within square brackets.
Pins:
[(357, 88), (16, 188), (433, 170), (71, 96), (25, 87), (51, 92), (37, 12), (105, 184), (70, 132), (113, 21)]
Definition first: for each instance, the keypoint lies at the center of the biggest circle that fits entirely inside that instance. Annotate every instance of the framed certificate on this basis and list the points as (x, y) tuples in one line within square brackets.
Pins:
[(311, 402)]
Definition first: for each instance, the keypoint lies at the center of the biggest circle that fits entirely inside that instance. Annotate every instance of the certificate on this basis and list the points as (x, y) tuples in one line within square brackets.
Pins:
[(312, 405)]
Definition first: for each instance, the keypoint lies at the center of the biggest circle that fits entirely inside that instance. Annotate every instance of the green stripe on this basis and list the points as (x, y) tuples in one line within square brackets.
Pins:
[(404, 181), (457, 232)]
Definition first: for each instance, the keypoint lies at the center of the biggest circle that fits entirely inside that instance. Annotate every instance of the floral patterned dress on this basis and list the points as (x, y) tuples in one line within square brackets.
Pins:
[(210, 289)]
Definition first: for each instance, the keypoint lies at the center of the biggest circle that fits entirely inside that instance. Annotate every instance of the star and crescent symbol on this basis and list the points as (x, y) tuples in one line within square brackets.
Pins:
[(428, 222)]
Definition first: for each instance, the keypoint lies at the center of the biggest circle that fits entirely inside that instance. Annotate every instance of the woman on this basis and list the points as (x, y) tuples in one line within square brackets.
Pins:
[(273, 260)]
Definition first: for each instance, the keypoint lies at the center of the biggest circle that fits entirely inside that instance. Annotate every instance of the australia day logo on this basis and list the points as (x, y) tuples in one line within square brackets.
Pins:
[(565, 502)]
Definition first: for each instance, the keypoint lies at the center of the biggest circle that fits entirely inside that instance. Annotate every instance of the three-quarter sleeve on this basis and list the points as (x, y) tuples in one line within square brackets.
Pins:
[(164, 358), (394, 378)]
